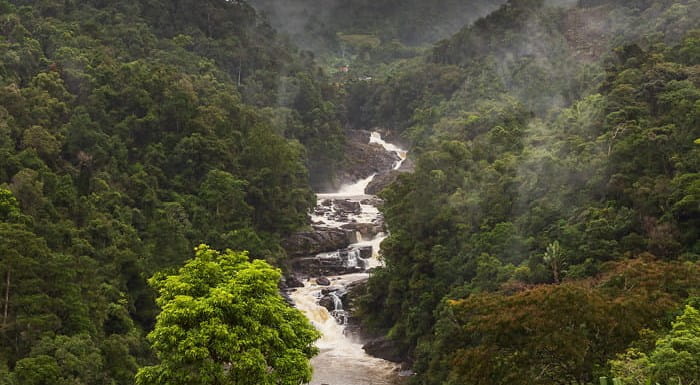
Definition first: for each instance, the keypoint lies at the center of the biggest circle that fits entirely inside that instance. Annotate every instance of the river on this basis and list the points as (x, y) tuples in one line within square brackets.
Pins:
[(341, 360)]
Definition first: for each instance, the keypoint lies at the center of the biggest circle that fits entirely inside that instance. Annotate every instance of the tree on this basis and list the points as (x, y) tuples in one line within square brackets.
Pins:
[(9, 207), (676, 359), (555, 260), (224, 322), (61, 360)]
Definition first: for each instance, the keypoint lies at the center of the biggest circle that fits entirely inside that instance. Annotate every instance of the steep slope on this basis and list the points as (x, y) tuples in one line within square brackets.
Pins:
[(548, 168), (130, 132)]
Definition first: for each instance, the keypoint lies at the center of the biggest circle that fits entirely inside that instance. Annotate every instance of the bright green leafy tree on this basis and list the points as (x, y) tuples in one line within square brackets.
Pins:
[(224, 322), (676, 359)]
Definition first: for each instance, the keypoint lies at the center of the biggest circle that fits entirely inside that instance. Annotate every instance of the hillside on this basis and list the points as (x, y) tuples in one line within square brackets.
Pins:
[(555, 158), (544, 230), (318, 25), (131, 132)]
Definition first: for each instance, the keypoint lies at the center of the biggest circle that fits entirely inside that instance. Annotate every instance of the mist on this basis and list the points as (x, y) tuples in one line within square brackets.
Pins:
[(314, 24)]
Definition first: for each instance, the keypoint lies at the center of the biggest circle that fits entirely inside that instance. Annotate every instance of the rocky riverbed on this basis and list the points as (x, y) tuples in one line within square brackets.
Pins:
[(332, 259)]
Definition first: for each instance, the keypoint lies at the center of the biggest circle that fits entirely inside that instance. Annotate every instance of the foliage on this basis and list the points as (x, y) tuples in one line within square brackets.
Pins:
[(130, 132), (223, 321), (548, 141), (674, 360)]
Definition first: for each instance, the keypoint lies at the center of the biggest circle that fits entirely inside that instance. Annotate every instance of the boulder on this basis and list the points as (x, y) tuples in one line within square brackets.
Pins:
[(323, 281), (381, 181), (318, 241), (367, 230), (327, 302), (328, 290), (293, 281), (365, 252), (407, 166), (386, 349), (373, 201), (346, 206), (339, 262)]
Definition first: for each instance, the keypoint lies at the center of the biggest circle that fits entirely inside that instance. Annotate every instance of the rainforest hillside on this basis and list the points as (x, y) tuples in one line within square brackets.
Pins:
[(549, 232), (130, 132), (551, 223)]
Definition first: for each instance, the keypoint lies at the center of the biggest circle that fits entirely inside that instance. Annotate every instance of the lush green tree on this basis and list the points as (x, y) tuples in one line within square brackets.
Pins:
[(223, 321), (676, 358), (9, 207), (64, 360)]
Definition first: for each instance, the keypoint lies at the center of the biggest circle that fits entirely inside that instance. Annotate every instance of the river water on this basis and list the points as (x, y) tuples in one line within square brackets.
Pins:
[(341, 360)]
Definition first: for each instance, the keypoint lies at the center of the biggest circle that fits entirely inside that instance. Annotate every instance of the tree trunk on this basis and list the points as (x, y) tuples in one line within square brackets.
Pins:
[(7, 299)]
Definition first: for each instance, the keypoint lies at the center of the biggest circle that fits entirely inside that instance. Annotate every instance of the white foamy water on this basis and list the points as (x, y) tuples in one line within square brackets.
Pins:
[(341, 360), (352, 190)]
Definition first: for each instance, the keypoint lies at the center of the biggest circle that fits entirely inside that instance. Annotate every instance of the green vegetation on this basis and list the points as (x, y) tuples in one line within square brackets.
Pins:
[(369, 36), (130, 132), (550, 233), (553, 213), (225, 322), (674, 360)]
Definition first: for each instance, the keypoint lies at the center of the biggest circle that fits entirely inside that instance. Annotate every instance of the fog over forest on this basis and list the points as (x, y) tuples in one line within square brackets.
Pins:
[(385, 192)]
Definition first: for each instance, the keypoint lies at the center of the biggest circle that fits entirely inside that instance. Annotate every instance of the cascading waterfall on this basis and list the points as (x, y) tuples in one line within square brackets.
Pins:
[(341, 360), (338, 313), (376, 137)]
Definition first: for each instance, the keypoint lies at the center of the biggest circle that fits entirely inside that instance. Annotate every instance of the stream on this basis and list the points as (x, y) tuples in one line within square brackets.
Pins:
[(341, 360)]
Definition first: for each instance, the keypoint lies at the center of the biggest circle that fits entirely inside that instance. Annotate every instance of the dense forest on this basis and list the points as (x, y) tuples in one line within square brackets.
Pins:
[(549, 233), (130, 132), (551, 223)]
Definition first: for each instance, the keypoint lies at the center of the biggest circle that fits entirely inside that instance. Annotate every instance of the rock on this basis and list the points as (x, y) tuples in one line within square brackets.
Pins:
[(381, 181), (327, 302), (346, 206), (287, 298), (373, 201), (317, 241), (328, 290), (367, 230), (293, 281), (407, 166), (386, 349), (323, 281), (364, 158), (365, 252), (356, 287), (333, 263)]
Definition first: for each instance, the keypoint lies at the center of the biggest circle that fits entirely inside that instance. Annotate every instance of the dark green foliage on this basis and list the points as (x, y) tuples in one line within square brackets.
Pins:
[(538, 163), (131, 131)]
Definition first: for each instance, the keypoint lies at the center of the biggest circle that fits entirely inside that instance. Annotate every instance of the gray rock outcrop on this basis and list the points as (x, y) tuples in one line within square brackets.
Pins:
[(319, 240)]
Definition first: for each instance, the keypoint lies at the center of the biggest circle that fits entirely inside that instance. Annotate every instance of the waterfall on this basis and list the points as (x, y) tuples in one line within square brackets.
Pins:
[(376, 137), (353, 258), (341, 360), (338, 313)]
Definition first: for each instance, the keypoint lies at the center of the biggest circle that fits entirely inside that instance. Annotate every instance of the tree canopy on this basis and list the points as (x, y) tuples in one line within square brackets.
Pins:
[(223, 321)]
